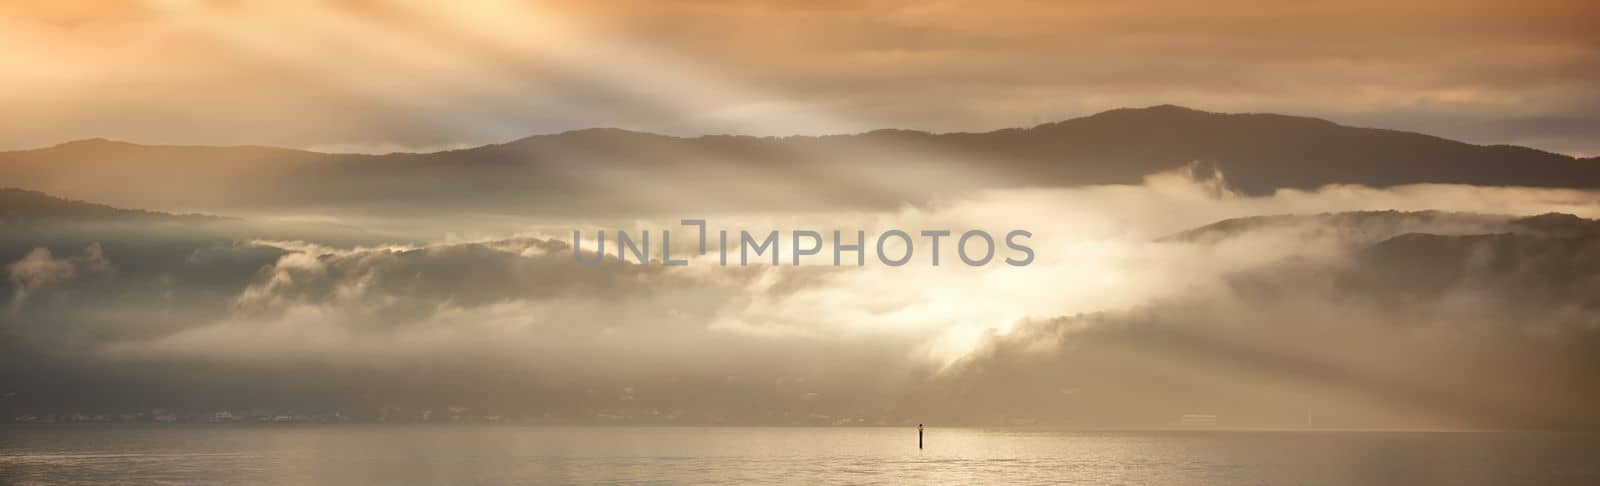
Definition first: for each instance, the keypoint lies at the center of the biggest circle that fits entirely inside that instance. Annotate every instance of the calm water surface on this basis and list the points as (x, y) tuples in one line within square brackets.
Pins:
[(537, 455)]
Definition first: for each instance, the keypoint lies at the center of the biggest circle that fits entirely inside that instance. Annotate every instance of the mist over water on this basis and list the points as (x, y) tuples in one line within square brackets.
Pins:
[(1122, 320)]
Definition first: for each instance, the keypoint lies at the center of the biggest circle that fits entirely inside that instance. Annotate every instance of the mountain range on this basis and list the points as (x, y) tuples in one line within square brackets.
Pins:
[(614, 171)]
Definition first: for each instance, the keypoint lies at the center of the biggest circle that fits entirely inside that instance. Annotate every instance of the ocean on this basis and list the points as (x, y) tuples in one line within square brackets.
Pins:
[(503, 454)]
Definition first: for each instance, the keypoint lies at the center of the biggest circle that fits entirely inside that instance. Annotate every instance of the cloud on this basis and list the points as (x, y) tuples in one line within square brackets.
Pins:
[(1467, 331), (35, 271), (39, 270), (1097, 250)]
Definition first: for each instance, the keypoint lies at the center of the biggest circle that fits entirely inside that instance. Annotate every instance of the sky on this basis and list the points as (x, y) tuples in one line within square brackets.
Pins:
[(380, 76)]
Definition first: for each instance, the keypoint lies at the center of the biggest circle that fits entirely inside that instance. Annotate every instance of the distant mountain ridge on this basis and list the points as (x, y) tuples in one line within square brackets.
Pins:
[(585, 171), (21, 205), (28, 218), (1374, 226)]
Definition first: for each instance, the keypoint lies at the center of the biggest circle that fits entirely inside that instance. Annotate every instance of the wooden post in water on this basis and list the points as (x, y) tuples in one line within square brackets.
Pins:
[(919, 436)]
